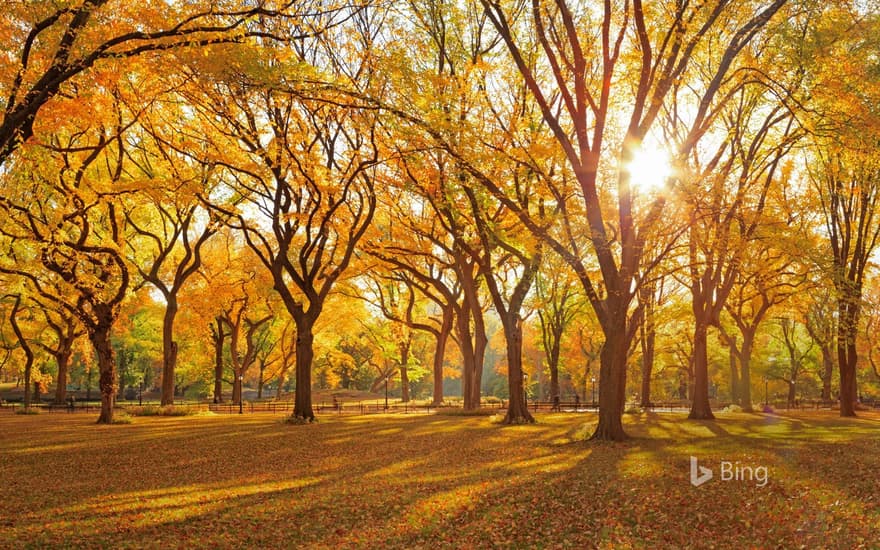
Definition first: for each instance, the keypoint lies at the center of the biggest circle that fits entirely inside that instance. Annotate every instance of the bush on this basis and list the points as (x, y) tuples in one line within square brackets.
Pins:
[(455, 411), (768, 409), (633, 409), (733, 408), (167, 410), (122, 419), (29, 410)]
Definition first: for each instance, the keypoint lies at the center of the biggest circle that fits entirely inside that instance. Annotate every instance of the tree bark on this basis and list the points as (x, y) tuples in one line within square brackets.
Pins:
[(169, 350), (745, 360), (440, 353), (700, 407), (218, 337), (612, 383), (25, 346), (517, 408), (847, 355), (734, 373), (404, 376), (648, 342), (236, 386), (302, 407), (62, 358), (100, 337)]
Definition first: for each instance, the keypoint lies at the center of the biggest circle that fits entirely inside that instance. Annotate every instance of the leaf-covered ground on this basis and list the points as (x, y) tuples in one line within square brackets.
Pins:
[(436, 482)]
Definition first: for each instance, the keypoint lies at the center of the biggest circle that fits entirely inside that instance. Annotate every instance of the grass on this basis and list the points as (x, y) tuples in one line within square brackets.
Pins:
[(427, 481)]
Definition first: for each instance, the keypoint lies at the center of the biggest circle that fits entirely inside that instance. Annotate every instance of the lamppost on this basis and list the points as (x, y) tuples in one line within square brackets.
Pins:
[(141, 394), (525, 389), (240, 394), (386, 393), (593, 400)]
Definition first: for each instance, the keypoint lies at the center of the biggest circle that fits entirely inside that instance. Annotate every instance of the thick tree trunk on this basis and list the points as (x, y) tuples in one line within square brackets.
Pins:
[(236, 387), (473, 343), (612, 382), (472, 346), (100, 337), (404, 385), (62, 358), (169, 351), (439, 355), (847, 356), (302, 407), (700, 408), (517, 408)]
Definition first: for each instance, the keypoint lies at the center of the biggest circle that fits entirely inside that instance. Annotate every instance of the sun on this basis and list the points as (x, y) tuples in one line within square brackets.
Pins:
[(649, 168)]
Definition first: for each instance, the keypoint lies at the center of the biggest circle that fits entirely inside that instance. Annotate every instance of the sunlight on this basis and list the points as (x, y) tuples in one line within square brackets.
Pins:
[(649, 168)]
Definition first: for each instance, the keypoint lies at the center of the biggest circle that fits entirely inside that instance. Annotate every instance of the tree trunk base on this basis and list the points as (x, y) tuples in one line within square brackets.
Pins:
[(300, 419), (519, 418), (701, 415), (609, 432)]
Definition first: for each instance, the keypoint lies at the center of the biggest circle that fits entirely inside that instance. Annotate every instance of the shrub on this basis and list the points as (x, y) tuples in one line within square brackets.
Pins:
[(455, 411), (167, 410), (122, 419), (29, 410), (733, 408)]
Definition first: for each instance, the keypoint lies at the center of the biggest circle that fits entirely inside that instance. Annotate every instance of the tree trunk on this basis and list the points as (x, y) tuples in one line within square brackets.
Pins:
[(745, 359), (517, 408), (792, 387), (700, 408), (439, 355), (302, 407), (404, 376), (473, 343), (169, 351), (62, 358), (236, 387), (734, 374), (218, 336), (612, 381), (553, 362), (648, 339), (828, 371), (25, 346), (100, 337), (847, 356)]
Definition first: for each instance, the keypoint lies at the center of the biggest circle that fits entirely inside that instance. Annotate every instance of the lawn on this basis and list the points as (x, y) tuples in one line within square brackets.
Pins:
[(424, 481)]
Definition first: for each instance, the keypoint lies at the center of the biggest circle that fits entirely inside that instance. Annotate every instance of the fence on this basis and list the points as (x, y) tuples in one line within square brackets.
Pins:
[(375, 407)]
